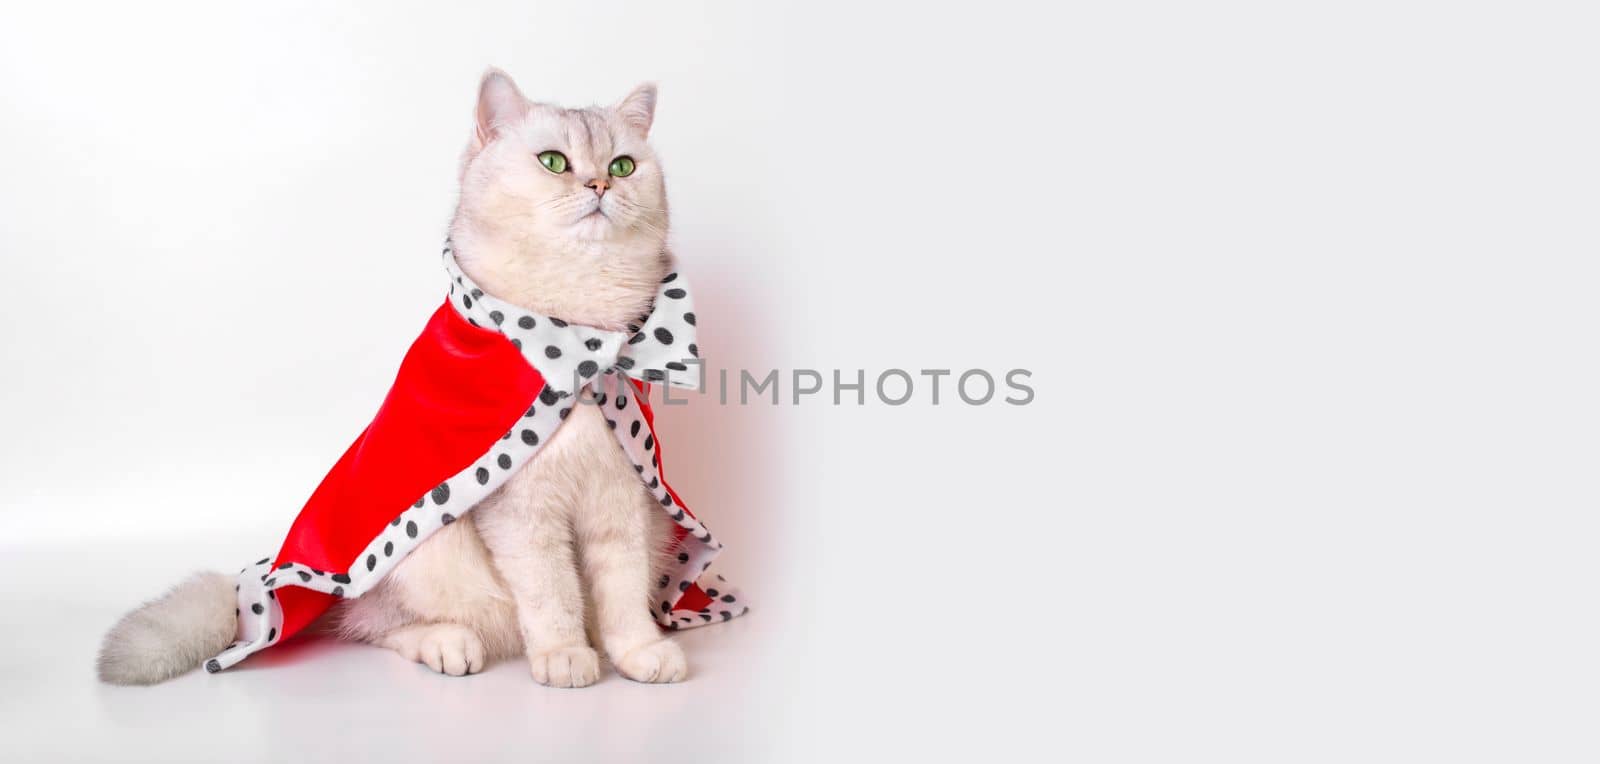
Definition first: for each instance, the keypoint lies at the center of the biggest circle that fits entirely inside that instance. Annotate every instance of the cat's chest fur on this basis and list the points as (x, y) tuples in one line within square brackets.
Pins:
[(583, 451), (580, 479)]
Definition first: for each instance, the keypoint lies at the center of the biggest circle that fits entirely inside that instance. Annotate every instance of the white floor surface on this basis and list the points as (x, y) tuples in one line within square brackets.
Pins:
[(316, 699)]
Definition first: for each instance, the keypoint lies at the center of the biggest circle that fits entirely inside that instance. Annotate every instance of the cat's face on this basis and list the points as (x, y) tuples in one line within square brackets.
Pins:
[(565, 179)]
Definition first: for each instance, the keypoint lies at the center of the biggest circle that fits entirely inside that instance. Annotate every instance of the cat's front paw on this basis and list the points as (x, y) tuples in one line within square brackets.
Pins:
[(450, 649), (566, 666), (659, 661)]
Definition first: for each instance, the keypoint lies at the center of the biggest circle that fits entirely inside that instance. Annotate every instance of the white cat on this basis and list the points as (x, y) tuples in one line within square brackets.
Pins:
[(560, 559)]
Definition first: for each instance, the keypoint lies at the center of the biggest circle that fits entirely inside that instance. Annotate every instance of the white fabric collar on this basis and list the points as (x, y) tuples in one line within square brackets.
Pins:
[(661, 349)]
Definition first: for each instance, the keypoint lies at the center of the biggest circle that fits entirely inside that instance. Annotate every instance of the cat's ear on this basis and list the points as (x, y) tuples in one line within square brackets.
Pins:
[(499, 104), (638, 110)]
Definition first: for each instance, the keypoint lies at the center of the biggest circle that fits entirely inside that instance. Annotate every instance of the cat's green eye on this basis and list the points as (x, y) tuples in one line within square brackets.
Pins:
[(554, 161), (622, 167)]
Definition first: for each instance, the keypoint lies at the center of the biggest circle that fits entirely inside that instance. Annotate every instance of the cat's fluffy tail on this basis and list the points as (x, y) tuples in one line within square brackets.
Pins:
[(171, 634)]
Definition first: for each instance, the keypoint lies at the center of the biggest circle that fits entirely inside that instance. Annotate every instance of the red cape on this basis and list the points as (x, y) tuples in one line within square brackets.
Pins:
[(459, 389)]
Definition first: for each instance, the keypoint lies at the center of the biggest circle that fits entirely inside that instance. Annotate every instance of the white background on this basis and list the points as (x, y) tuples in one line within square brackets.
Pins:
[(1308, 292)]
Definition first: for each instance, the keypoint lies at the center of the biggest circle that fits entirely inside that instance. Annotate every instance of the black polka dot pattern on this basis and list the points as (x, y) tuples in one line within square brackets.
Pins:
[(460, 493), (558, 349), (567, 355), (436, 508), (659, 348)]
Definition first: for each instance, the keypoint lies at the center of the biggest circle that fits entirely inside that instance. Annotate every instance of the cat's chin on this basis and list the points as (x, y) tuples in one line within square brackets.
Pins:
[(594, 227)]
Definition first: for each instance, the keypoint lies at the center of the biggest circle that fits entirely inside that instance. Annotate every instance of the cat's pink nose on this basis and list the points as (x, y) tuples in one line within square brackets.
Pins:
[(599, 185)]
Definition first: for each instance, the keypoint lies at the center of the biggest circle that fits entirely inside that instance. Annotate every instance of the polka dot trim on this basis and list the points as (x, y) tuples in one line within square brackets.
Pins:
[(440, 506), (726, 603), (618, 402), (661, 347)]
